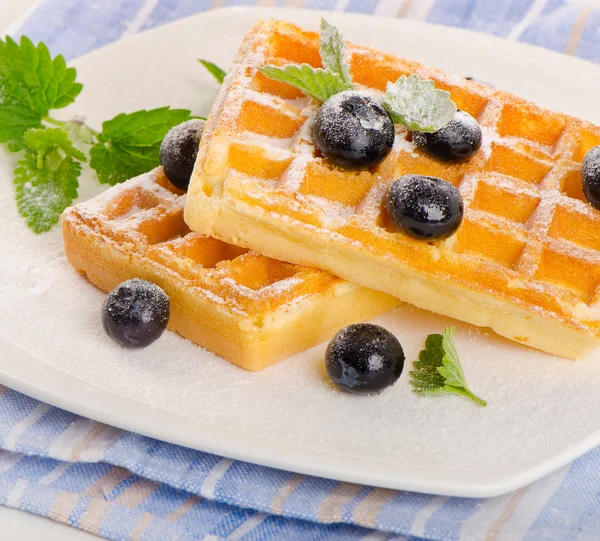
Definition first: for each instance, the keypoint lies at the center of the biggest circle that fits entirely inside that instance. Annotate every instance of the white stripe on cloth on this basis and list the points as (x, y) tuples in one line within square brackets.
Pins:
[(417, 527), (55, 474), (387, 8), (488, 511), (210, 483), (94, 452), (21, 427), (419, 10), (530, 506), (8, 460), (534, 12), (341, 5), (140, 18), (246, 527), (14, 497), (62, 446)]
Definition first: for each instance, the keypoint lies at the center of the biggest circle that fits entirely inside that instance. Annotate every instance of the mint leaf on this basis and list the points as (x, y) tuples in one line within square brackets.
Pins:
[(129, 144), (214, 70), (45, 141), (439, 370), (46, 177), (317, 83), (417, 104), (31, 84), (333, 53)]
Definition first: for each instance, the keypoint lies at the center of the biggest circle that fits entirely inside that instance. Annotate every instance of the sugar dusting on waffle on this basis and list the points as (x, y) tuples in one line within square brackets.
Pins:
[(521, 190), (127, 209)]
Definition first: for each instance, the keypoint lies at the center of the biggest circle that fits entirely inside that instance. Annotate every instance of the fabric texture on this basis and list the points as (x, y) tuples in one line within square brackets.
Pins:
[(124, 486)]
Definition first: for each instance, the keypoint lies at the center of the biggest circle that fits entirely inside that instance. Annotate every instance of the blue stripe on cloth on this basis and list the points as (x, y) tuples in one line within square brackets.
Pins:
[(589, 46), (14, 407), (553, 29), (309, 496), (362, 6), (497, 17), (446, 522), (171, 10), (43, 433), (574, 509), (73, 27), (77, 512)]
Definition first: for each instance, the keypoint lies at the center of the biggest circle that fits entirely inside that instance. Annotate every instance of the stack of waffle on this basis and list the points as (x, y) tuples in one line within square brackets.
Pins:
[(525, 260)]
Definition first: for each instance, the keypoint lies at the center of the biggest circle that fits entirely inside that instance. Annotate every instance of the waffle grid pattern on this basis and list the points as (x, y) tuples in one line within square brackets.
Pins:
[(528, 234), (145, 217)]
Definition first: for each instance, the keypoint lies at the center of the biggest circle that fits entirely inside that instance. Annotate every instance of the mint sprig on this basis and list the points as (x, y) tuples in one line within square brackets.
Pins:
[(46, 177), (417, 104), (218, 73), (332, 49), (129, 143), (32, 85), (317, 83), (413, 102), (439, 370)]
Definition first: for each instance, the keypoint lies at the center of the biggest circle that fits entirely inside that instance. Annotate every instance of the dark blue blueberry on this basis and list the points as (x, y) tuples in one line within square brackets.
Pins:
[(456, 141), (424, 207), (135, 313), (590, 175), (178, 152), (364, 359), (353, 130)]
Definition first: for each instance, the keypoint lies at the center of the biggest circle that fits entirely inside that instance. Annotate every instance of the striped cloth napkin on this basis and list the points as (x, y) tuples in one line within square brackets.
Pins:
[(121, 485)]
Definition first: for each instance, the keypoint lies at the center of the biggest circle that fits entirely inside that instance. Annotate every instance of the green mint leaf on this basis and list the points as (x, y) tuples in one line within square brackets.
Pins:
[(418, 105), (45, 141), (46, 177), (333, 53), (31, 84), (317, 83), (129, 144), (439, 370), (214, 70)]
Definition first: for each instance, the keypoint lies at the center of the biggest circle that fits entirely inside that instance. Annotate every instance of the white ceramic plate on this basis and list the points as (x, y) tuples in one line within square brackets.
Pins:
[(542, 410)]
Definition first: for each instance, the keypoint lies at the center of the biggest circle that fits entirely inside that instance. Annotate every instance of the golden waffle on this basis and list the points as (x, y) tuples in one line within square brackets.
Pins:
[(243, 306), (525, 259)]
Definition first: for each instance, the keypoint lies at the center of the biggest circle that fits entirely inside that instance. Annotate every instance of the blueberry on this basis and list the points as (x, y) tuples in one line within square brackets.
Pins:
[(457, 140), (424, 207), (364, 359), (178, 152), (353, 130), (135, 313), (590, 175)]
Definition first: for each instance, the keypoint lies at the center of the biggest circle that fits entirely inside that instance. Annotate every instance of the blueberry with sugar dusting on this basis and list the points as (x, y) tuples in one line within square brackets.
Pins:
[(135, 313), (178, 152), (456, 141), (425, 207), (364, 359), (590, 175), (353, 130)]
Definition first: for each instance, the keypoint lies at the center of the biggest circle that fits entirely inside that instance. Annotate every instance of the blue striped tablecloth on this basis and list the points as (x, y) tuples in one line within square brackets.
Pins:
[(124, 486)]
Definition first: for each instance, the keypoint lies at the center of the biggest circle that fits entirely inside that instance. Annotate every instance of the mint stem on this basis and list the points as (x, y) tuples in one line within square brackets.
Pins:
[(476, 399), (57, 122)]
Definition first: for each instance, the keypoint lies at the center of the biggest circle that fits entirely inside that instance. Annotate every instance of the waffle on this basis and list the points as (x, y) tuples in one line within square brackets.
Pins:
[(248, 308), (525, 259)]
